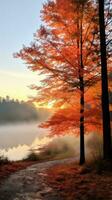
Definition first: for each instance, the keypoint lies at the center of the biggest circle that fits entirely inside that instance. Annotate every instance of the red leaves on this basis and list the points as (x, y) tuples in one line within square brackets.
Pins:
[(42, 32)]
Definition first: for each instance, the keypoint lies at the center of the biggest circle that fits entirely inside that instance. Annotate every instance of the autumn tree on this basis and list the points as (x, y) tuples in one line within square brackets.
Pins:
[(66, 119), (65, 51)]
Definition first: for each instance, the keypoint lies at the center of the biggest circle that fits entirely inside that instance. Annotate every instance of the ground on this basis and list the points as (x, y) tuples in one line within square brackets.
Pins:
[(11, 167), (80, 183), (30, 183), (56, 180)]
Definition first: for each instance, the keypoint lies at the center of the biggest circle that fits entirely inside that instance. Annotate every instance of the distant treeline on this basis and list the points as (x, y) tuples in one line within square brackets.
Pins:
[(14, 110)]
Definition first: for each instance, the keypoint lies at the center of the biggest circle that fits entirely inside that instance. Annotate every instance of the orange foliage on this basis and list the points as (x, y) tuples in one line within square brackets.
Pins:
[(55, 54), (66, 119)]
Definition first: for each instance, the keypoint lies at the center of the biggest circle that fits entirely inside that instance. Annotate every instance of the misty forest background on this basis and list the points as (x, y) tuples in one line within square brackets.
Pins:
[(12, 110)]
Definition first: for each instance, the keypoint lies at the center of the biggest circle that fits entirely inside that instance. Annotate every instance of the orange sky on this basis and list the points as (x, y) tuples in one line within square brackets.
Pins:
[(16, 85)]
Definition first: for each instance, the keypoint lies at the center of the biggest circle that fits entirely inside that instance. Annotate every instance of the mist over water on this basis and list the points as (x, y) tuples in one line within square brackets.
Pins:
[(17, 139), (19, 131)]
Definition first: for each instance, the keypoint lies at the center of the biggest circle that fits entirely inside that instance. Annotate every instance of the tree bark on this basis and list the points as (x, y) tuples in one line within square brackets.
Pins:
[(82, 146), (105, 95), (81, 80)]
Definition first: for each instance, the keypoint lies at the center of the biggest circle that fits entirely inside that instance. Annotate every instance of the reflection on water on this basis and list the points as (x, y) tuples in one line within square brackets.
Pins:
[(16, 140)]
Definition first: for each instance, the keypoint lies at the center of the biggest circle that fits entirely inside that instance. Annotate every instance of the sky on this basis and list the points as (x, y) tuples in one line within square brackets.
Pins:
[(19, 20)]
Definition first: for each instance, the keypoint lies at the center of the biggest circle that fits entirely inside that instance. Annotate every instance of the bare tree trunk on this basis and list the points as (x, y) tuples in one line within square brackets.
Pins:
[(105, 95), (81, 80), (82, 146)]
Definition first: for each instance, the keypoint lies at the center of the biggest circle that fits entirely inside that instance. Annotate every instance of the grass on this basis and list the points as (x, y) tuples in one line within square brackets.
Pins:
[(57, 149), (96, 161)]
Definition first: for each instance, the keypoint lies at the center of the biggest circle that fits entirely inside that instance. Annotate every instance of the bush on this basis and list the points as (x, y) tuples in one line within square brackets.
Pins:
[(58, 148), (95, 147), (96, 161), (32, 156), (3, 160)]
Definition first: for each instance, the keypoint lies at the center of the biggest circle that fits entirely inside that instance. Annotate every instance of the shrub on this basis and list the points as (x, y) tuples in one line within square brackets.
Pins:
[(3, 160), (32, 156), (96, 161), (58, 148)]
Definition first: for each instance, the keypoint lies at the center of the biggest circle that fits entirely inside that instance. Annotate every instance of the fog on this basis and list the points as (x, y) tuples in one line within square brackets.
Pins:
[(16, 141), (69, 146), (19, 128), (20, 133)]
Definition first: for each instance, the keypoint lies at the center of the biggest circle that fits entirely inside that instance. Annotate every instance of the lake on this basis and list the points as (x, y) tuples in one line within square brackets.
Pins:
[(17, 139)]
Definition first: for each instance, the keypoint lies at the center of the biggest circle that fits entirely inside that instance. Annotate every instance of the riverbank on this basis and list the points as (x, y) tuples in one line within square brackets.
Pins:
[(58, 179), (12, 167), (31, 183)]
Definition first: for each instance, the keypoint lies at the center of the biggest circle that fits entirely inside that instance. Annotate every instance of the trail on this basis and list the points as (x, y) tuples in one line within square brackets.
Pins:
[(30, 184)]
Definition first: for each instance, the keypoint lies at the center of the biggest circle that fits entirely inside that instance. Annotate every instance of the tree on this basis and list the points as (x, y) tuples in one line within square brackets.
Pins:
[(104, 76), (66, 119), (65, 51)]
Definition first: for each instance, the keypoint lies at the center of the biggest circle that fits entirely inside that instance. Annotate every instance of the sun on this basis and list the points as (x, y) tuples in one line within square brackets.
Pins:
[(49, 105)]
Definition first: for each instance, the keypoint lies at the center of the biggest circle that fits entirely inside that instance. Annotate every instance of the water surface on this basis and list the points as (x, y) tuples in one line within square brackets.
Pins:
[(17, 139)]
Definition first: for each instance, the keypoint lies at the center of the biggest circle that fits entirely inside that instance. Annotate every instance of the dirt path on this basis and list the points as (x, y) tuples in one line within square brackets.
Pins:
[(29, 184)]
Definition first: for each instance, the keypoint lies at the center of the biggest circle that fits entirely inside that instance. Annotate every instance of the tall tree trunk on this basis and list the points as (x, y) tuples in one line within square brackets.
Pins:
[(82, 146), (105, 96), (81, 81)]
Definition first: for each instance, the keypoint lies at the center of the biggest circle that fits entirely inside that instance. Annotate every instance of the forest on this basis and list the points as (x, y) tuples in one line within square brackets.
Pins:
[(16, 111)]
